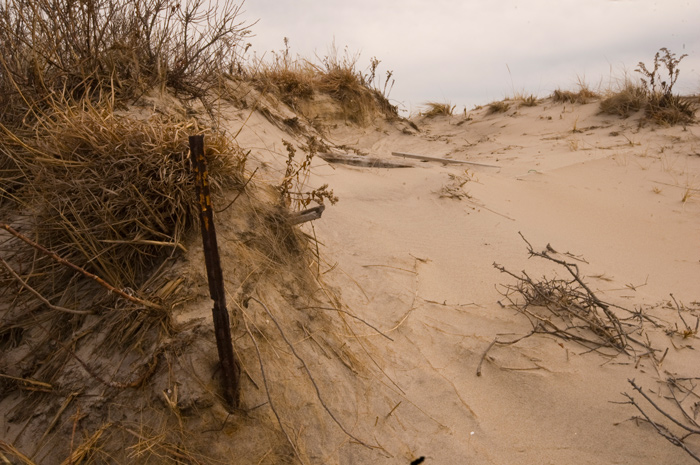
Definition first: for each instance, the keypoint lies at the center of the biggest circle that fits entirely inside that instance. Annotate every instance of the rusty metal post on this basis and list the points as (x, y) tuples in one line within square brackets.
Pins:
[(222, 328)]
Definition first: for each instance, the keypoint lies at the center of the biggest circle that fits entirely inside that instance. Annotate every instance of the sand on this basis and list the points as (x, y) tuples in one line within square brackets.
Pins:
[(413, 249)]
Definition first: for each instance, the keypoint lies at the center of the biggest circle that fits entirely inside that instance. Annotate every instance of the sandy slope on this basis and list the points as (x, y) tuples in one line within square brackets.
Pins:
[(411, 251), (418, 264)]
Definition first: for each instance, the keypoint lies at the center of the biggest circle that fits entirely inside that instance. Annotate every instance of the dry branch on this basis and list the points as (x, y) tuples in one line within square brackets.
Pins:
[(308, 372), (356, 160), (686, 422), (80, 270), (307, 215), (267, 390), (441, 160), (574, 312), (24, 284)]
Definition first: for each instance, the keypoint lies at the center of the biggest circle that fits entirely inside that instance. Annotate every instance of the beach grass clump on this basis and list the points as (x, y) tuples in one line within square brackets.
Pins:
[(434, 109), (528, 100), (295, 80), (110, 193), (582, 96), (498, 107), (629, 99), (291, 79)]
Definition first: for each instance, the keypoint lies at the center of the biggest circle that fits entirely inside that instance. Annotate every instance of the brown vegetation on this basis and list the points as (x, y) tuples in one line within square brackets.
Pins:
[(584, 95), (630, 99), (438, 109), (655, 94), (498, 107), (99, 193), (296, 80)]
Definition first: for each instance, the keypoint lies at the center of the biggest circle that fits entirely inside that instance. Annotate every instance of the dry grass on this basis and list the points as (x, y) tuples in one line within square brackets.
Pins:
[(112, 193), (438, 109), (528, 100), (654, 94), (671, 110), (498, 107), (582, 96), (630, 99), (295, 80)]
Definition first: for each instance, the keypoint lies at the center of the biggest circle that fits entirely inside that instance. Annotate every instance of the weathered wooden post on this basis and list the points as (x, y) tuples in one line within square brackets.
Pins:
[(222, 328)]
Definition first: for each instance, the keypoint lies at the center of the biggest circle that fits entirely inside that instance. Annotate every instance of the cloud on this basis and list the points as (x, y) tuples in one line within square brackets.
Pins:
[(459, 49)]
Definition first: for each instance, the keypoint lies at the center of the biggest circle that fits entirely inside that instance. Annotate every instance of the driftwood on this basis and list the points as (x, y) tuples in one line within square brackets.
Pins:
[(307, 215), (441, 160), (356, 160)]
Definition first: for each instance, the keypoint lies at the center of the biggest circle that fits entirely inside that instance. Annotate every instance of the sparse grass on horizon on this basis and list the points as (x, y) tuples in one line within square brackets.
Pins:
[(295, 80), (528, 100), (438, 109), (582, 96), (629, 99), (498, 107)]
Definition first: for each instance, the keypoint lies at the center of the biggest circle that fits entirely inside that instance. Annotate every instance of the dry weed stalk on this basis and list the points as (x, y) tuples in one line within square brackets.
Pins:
[(296, 174), (654, 94), (663, 105)]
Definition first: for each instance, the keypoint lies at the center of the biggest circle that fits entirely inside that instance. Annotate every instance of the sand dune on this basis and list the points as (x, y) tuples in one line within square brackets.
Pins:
[(420, 244), (405, 305)]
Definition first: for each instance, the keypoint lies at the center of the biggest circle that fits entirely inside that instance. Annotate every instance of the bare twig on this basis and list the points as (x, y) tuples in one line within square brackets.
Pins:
[(576, 310), (267, 391), (85, 273), (240, 191), (308, 372), (355, 317), (483, 356), (41, 297), (664, 431), (660, 410)]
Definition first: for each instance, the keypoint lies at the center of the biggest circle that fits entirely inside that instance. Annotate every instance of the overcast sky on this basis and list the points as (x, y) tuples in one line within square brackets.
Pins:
[(462, 51)]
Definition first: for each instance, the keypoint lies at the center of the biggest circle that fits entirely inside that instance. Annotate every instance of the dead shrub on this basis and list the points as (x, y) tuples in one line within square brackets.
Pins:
[(663, 106), (81, 48)]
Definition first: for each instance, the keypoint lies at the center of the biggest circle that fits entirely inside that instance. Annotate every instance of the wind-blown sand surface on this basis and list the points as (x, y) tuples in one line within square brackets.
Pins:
[(398, 322), (411, 250)]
